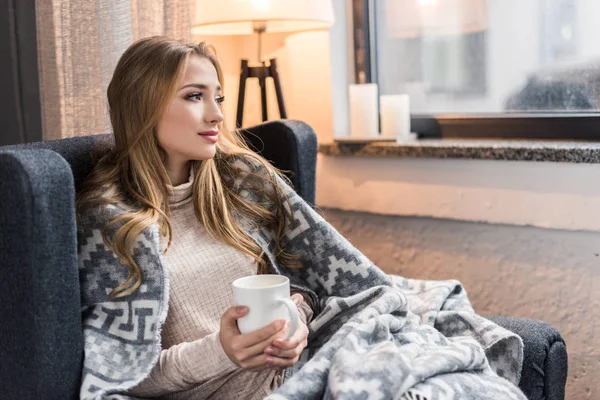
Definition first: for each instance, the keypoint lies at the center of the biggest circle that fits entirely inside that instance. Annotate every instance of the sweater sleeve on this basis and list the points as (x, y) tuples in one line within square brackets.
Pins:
[(184, 366), (306, 309), (305, 313)]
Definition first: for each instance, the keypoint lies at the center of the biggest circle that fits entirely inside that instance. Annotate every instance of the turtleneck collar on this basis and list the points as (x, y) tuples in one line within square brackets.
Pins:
[(181, 194)]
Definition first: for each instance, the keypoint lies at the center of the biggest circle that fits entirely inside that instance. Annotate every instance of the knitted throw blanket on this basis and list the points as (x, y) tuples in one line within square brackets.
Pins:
[(375, 336)]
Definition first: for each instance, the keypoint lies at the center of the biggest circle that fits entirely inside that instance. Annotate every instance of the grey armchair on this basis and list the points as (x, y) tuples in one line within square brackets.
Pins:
[(40, 333)]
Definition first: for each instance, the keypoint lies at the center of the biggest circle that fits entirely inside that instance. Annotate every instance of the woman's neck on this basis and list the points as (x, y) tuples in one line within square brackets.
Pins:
[(178, 173)]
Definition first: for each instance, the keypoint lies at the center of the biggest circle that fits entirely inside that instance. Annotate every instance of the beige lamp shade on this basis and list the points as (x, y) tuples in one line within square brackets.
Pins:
[(239, 17), (413, 18)]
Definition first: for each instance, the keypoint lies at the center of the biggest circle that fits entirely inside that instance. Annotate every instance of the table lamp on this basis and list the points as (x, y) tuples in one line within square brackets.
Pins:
[(243, 17)]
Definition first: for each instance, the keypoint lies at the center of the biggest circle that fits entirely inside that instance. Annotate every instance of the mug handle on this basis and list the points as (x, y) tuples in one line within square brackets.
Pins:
[(293, 310)]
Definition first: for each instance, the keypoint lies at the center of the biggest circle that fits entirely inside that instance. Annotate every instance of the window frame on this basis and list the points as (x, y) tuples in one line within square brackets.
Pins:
[(584, 126)]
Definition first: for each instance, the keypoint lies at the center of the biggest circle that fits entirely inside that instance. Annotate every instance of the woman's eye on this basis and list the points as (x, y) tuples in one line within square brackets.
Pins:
[(220, 99), (194, 96)]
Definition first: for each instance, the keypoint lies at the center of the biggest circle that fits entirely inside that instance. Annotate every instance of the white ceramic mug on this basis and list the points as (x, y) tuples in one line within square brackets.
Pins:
[(268, 299)]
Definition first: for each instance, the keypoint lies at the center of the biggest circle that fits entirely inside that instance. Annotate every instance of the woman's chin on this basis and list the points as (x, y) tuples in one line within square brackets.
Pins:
[(206, 154)]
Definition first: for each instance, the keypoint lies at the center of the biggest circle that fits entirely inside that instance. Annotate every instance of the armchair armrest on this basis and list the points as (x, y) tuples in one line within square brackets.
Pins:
[(41, 343), (545, 362), (290, 146)]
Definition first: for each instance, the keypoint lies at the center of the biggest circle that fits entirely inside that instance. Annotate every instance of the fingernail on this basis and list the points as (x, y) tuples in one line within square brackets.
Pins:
[(241, 309), (269, 350), (279, 324), (269, 361)]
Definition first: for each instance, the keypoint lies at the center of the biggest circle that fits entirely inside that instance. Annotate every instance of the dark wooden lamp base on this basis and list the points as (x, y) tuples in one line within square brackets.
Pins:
[(262, 73)]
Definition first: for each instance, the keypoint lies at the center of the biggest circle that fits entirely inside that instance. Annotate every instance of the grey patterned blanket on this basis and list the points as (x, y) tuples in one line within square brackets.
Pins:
[(376, 336)]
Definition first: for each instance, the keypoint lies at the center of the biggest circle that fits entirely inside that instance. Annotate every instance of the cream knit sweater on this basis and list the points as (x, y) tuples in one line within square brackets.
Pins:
[(193, 364)]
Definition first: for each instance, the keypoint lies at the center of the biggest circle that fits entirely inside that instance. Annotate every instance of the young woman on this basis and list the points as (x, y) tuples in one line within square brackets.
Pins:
[(180, 208), (173, 165)]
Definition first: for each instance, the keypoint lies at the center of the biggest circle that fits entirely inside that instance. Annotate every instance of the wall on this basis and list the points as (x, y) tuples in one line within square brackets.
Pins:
[(543, 194), (550, 275)]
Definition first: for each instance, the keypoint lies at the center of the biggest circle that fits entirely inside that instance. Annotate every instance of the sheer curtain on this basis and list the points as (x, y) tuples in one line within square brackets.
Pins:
[(79, 44)]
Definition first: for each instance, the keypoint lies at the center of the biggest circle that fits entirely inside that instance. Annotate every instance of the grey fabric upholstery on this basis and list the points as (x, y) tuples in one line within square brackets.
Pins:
[(40, 333), (40, 328), (286, 145), (545, 363), (81, 153)]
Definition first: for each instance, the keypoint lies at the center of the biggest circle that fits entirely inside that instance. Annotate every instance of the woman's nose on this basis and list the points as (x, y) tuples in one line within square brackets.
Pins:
[(215, 115)]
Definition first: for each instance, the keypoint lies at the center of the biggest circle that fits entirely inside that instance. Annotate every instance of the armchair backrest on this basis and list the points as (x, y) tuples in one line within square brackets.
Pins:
[(289, 145)]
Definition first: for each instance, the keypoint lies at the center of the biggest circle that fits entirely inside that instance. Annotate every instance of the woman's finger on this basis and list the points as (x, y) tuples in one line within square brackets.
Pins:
[(298, 299), (254, 349), (291, 353), (274, 330), (298, 337), (276, 362)]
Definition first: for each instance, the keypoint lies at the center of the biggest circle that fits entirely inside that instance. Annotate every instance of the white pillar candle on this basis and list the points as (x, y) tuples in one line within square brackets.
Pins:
[(395, 116), (364, 118)]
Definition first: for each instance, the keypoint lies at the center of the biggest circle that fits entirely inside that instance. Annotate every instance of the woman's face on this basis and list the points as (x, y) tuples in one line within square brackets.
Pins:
[(189, 128)]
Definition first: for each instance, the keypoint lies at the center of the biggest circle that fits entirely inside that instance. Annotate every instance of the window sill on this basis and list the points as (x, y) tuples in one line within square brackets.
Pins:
[(549, 151)]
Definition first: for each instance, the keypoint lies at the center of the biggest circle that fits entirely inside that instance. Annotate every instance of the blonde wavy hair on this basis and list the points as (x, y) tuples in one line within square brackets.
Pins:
[(143, 84)]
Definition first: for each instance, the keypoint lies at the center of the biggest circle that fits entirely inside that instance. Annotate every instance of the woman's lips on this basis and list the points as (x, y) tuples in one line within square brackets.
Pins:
[(210, 136)]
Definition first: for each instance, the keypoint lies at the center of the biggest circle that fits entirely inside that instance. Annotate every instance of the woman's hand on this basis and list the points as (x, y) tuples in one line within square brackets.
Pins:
[(248, 350), (284, 353)]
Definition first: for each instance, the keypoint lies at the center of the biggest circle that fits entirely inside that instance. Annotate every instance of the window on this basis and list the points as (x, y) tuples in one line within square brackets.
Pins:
[(486, 68)]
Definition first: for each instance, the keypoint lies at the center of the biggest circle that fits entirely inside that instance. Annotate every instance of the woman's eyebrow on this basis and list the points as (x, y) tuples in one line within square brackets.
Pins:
[(200, 86)]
